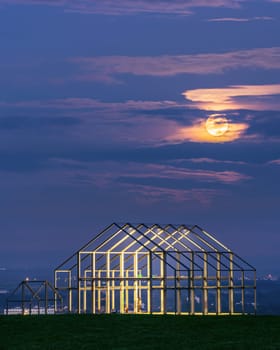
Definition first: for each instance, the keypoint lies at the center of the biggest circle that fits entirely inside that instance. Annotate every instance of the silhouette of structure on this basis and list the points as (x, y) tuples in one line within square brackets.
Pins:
[(156, 269), (34, 297)]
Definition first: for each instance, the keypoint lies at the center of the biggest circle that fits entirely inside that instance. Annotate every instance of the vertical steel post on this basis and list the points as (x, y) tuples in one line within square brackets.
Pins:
[(46, 297), (79, 283), (231, 284), (113, 290), (205, 284), (175, 292), (150, 276), (189, 292), (84, 284), (99, 291), (163, 286), (70, 294), (93, 296), (22, 297), (243, 292), (192, 284), (122, 283), (127, 290), (255, 292), (218, 285), (135, 282), (178, 283), (108, 294), (55, 295)]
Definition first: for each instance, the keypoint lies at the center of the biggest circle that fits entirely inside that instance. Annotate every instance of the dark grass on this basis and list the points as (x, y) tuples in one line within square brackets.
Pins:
[(139, 332)]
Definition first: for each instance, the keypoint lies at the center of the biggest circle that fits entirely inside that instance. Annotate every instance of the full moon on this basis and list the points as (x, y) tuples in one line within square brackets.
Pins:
[(216, 125)]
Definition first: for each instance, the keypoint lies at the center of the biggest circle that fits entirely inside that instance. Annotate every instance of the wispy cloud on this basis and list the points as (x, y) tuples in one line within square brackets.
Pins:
[(254, 97), (109, 68), (126, 171), (135, 192), (155, 194), (237, 19), (89, 103), (179, 173), (131, 122), (127, 7), (275, 161), (211, 161), (128, 121), (197, 132), (151, 181)]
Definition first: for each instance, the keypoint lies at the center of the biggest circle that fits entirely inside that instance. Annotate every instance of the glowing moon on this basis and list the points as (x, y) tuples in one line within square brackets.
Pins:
[(217, 125)]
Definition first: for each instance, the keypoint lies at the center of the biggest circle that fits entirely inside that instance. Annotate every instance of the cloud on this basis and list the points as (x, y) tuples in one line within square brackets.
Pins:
[(151, 181), (89, 103), (210, 161), (180, 173), (197, 132), (101, 123), (101, 181), (85, 121), (105, 172), (236, 19), (130, 122), (157, 194), (108, 68), (274, 162), (254, 97), (144, 182), (128, 7)]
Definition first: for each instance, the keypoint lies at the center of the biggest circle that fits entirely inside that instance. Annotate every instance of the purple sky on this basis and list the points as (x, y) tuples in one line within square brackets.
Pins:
[(103, 109)]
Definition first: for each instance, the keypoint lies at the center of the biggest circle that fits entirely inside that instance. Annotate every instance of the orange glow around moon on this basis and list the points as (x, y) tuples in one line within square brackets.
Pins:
[(217, 125)]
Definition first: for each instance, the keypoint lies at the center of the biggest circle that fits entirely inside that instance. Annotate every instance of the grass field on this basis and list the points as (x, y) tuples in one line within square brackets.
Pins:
[(139, 332)]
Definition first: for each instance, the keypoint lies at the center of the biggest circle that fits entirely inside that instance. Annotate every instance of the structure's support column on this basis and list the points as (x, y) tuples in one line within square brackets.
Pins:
[(84, 283), (122, 283), (22, 297), (108, 294), (70, 296), (99, 291), (139, 294), (218, 284), (46, 297), (243, 292), (255, 292), (175, 291), (126, 291), (79, 283), (163, 283), (231, 299), (38, 308), (55, 295), (93, 297), (205, 284), (135, 283), (178, 278), (150, 283), (192, 305), (113, 290)]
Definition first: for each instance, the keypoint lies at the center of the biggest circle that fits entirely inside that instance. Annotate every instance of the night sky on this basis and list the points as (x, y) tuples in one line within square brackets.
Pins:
[(103, 110)]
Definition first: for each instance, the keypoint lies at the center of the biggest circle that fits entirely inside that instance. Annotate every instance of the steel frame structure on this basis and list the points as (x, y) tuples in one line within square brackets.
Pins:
[(34, 297), (156, 269)]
